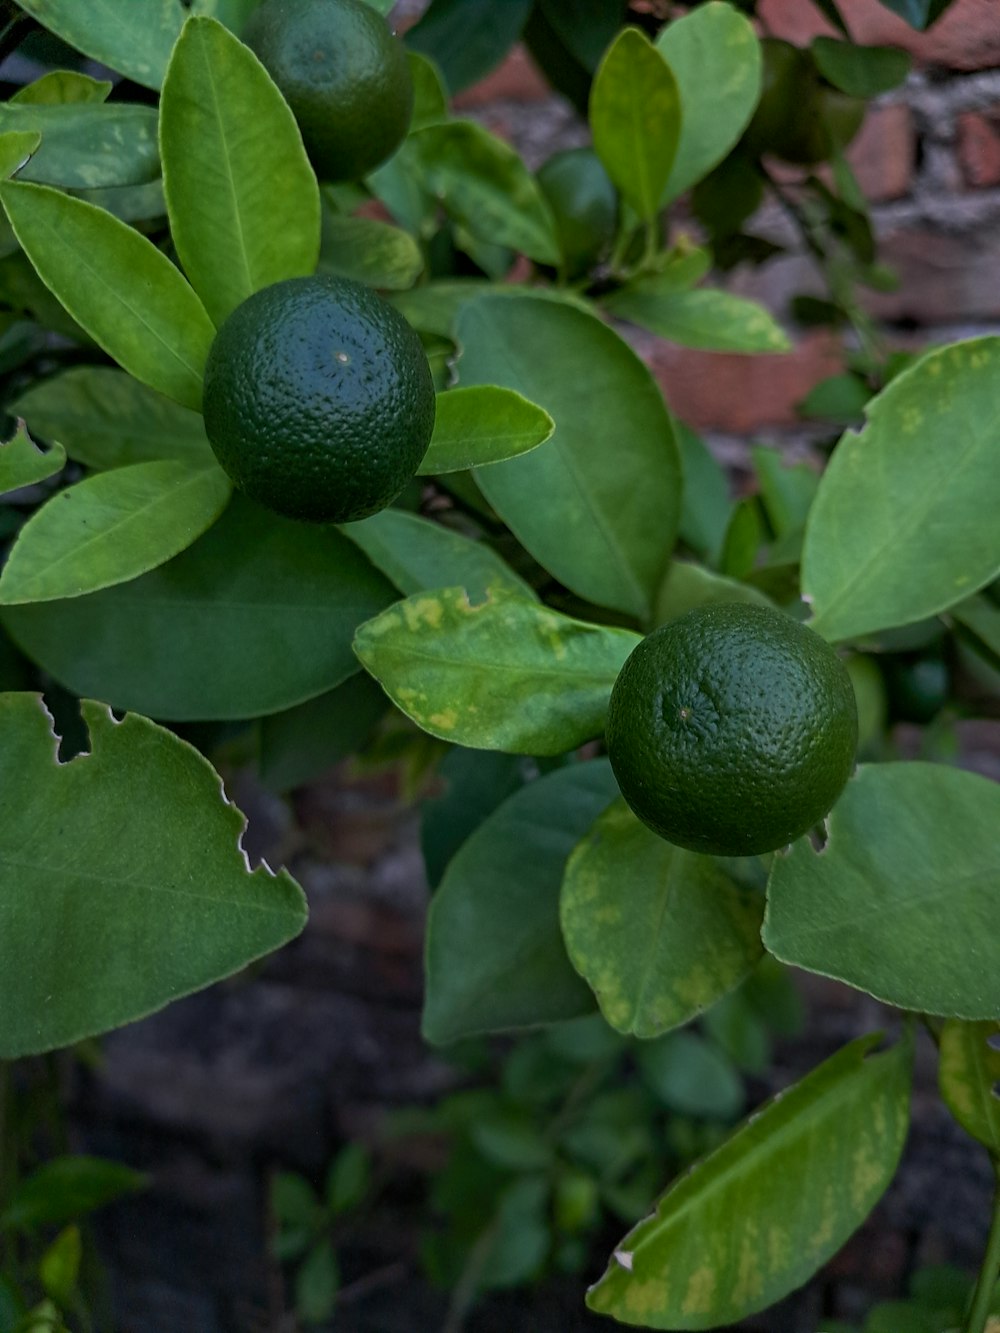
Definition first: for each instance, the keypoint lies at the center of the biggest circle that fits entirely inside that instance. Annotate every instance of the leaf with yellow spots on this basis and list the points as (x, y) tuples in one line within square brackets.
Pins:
[(712, 320), (912, 856), (659, 933), (504, 673), (968, 1074), (903, 525), (757, 1217)]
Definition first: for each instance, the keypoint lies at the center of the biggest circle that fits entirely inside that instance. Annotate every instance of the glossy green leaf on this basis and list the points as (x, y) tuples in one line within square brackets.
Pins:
[(303, 742), (758, 1216), (242, 198), (860, 71), (373, 252), (787, 490), (912, 855), (692, 1076), (980, 617), (417, 554), (500, 674), (233, 13), (658, 933), (430, 98), (469, 785), (22, 463), (715, 58), (16, 147), (106, 918), (902, 526), (86, 145), (598, 506), (687, 585), (105, 418), (707, 318), (130, 203), (110, 528), (707, 505), (117, 285), (635, 119), (968, 1074), (495, 956), (467, 38), (61, 86), (483, 424), (484, 186), (135, 41), (433, 306), (256, 616), (64, 1189)]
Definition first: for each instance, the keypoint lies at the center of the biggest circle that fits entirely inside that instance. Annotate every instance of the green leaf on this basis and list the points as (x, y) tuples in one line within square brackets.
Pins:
[(348, 1179), (16, 147), (62, 86), (433, 306), (300, 743), (687, 586), (317, 1283), (430, 98), (115, 283), (902, 525), (500, 674), (787, 490), (63, 1189), (466, 38), (89, 144), (483, 424), (707, 506), (968, 1073), (486, 188), (710, 319), (918, 14), (912, 856), (293, 1201), (110, 528), (715, 58), (136, 42), (635, 120), (860, 71), (242, 198), (980, 616), (105, 919), (470, 785), (495, 956), (602, 519), (105, 418), (417, 554), (758, 1216), (368, 251), (692, 1076), (658, 933), (59, 1266), (510, 1138), (22, 463), (256, 616), (839, 398)]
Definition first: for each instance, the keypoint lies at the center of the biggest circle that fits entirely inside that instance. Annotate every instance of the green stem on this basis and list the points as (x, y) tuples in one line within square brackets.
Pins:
[(989, 1270)]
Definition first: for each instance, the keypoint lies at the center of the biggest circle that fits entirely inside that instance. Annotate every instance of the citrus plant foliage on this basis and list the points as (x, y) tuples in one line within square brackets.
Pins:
[(553, 519)]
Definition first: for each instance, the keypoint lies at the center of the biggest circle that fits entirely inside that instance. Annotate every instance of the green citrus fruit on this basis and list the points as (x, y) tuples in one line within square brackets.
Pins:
[(318, 399), (584, 204), (345, 76), (732, 729)]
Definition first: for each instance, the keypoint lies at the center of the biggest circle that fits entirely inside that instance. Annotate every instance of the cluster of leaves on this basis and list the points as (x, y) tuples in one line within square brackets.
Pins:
[(494, 606)]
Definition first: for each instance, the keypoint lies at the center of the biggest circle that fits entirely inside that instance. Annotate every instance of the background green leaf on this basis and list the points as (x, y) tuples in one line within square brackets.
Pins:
[(495, 956), (467, 38), (116, 285), (759, 1215), (110, 528), (860, 71), (242, 198), (256, 616), (598, 506), (501, 674), (381, 255), (300, 743), (635, 119), (61, 86), (483, 424), (66, 1188), (715, 58), (22, 463), (417, 554), (135, 41), (713, 320), (904, 899), (15, 149), (87, 145), (658, 933), (968, 1073), (169, 903), (104, 418), (902, 526)]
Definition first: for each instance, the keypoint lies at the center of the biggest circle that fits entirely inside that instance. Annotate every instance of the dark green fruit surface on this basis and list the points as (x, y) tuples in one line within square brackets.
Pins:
[(318, 399), (732, 729), (344, 75)]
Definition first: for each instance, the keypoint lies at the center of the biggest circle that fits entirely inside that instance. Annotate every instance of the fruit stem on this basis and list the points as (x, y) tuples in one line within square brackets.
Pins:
[(986, 1284)]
